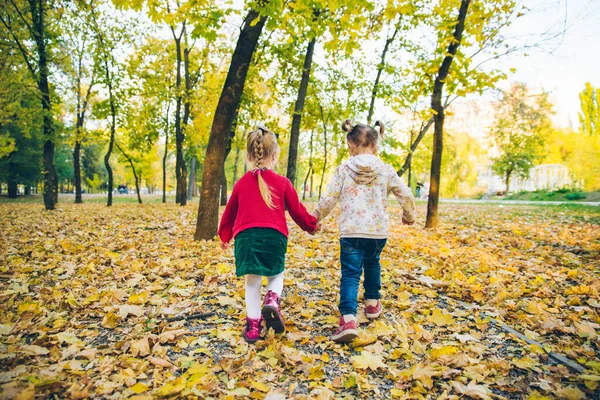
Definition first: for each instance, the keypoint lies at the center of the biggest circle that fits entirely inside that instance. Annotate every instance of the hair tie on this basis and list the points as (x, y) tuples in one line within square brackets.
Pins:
[(257, 171)]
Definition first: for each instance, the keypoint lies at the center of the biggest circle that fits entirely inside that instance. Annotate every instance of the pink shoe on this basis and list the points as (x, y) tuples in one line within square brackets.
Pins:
[(252, 330), (346, 332), (271, 313), (375, 311)]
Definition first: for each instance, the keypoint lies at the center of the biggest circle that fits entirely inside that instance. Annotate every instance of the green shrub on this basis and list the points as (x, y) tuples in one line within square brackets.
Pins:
[(575, 196)]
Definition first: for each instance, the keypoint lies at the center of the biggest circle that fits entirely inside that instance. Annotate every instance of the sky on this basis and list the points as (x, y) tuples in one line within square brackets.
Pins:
[(565, 63)]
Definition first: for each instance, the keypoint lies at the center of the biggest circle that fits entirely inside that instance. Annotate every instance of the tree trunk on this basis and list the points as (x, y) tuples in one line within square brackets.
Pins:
[(77, 171), (12, 182), (299, 106), (438, 109), (192, 179), (324, 149), (413, 147), (182, 180), (310, 166), (113, 115), (410, 163), (208, 211), (178, 144), (380, 68), (235, 165), (508, 174), (164, 196), (27, 190), (39, 33), (135, 176)]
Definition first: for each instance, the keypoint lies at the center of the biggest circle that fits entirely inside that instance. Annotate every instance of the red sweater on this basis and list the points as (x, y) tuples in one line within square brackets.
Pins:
[(247, 209)]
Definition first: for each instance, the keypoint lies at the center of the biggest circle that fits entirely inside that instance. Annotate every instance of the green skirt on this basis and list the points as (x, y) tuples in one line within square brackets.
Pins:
[(260, 251)]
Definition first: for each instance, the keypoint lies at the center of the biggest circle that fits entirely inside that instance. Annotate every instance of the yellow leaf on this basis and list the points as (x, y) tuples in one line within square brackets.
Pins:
[(472, 390), (139, 388), (367, 360), (439, 318), (259, 386), (442, 351), (173, 387), (325, 357), (364, 338), (425, 373), (571, 393)]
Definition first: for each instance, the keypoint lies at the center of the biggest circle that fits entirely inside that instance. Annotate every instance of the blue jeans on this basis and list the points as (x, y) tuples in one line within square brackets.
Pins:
[(356, 255)]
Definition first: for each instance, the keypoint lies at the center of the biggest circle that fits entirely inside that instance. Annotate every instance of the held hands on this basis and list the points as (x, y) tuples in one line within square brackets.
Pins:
[(317, 229), (405, 222), (224, 245)]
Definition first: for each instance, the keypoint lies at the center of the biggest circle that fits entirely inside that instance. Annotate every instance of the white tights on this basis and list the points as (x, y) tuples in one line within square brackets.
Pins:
[(253, 286)]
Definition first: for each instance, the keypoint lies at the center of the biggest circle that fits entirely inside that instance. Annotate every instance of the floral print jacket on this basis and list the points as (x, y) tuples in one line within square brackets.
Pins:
[(362, 185)]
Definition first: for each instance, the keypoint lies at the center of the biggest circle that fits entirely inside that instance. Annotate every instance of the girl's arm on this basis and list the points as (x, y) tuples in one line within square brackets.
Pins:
[(297, 210), (331, 196), (405, 197), (225, 231)]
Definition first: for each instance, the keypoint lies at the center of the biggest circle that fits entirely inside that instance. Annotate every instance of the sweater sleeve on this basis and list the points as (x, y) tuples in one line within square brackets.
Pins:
[(297, 210), (404, 196), (228, 219), (331, 196)]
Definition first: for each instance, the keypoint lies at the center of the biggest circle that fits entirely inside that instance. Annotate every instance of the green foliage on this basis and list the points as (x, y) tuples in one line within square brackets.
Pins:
[(521, 126), (589, 117)]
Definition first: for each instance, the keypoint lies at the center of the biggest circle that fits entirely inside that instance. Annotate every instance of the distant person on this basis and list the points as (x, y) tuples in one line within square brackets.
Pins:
[(418, 189), (255, 216), (361, 185)]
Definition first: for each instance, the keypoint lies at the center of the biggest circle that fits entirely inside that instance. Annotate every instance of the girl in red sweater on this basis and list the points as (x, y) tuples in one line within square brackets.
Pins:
[(255, 217)]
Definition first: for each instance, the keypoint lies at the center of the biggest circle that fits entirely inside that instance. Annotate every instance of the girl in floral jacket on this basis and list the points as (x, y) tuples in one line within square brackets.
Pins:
[(362, 185)]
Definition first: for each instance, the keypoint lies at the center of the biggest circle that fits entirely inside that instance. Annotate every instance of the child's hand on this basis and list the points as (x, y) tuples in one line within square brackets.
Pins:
[(405, 222), (317, 229), (224, 245)]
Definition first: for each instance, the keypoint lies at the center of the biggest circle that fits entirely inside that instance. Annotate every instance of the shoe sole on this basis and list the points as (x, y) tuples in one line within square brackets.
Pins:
[(346, 336), (272, 319), (251, 341), (373, 316)]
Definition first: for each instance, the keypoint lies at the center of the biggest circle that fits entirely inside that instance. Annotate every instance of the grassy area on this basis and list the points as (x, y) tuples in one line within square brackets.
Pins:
[(556, 195)]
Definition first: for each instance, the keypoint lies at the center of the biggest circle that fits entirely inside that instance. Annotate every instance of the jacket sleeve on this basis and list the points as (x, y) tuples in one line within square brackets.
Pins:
[(297, 210), (404, 195), (225, 231), (331, 196)]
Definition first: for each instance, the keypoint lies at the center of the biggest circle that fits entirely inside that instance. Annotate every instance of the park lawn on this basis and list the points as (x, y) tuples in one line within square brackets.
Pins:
[(556, 195), (86, 292)]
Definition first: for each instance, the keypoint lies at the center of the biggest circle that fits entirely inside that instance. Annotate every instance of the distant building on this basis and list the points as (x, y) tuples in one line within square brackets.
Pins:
[(541, 177)]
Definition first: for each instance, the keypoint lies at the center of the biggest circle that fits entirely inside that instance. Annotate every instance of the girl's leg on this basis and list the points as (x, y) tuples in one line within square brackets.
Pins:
[(253, 286), (351, 258), (270, 310), (275, 283), (372, 281)]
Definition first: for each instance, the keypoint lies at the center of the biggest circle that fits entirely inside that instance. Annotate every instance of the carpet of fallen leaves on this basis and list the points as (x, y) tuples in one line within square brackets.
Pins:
[(86, 292)]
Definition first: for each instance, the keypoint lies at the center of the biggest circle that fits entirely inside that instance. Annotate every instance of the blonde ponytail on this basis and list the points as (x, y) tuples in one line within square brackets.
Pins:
[(262, 144), (265, 192)]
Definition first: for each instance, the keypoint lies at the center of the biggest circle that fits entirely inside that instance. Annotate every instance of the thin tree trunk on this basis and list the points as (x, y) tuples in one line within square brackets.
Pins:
[(13, 185), (310, 166), (508, 174), (413, 147), (410, 163), (113, 114), (164, 177), (182, 184), (178, 149), (438, 109), (137, 181), (298, 107), (324, 150), (235, 165), (208, 211), (192, 179), (380, 68)]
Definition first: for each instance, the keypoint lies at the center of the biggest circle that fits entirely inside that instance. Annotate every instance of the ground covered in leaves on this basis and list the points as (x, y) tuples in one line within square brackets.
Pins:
[(86, 293)]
